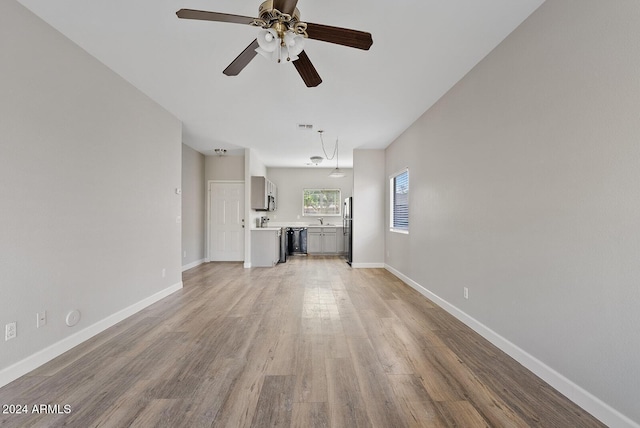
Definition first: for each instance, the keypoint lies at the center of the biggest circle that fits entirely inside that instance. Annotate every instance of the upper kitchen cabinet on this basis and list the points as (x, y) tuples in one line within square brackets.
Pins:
[(263, 194)]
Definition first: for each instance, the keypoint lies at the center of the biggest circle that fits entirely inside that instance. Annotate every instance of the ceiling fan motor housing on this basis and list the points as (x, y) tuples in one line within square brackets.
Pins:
[(265, 11), (269, 17)]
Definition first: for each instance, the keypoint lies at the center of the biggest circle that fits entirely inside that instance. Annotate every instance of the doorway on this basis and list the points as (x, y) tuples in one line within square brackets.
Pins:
[(226, 221)]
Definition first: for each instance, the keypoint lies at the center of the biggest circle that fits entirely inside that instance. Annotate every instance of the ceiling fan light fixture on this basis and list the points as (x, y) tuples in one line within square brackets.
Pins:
[(274, 46), (294, 43), (268, 39), (270, 55)]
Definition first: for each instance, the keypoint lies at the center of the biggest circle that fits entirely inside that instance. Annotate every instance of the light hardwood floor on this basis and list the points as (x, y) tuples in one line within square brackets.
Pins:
[(309, 343)]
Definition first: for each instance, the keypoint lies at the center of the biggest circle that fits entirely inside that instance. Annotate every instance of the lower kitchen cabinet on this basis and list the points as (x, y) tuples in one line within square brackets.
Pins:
[(340, 238), (324, 240), (314, 241), (329, 241), (265, 247)]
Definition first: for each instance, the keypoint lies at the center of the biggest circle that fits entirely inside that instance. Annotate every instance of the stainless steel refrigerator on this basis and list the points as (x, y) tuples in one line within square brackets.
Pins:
[(347, 224)]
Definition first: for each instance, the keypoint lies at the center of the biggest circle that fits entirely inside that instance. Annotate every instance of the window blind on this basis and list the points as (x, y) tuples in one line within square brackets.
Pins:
[(401, 201)]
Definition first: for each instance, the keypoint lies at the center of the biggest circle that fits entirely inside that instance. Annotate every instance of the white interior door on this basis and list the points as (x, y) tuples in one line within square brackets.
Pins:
[(226, 222)]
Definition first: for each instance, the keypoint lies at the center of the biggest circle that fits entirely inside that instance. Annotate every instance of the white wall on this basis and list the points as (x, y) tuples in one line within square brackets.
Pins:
[(224, 168), (369, 190), (193, 207), (88, 172), (290, 183), (525, 188)]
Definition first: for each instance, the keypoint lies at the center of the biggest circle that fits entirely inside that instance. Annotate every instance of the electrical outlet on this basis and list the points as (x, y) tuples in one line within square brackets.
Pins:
[(164, 273), (465, 292), (41, 319), (184, 254), (10, 331)]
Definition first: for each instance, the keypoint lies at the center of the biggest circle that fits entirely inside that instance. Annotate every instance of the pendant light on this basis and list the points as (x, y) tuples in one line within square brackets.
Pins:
[(337, 173)]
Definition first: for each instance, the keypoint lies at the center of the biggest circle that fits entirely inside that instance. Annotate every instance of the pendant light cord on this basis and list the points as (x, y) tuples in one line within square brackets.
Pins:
[(335, 148)]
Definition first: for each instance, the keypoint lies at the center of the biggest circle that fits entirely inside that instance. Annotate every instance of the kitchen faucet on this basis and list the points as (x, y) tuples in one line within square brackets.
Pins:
[(321, 221)]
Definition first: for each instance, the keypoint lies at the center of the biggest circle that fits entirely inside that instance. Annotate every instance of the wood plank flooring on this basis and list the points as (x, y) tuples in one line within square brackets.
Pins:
[(309, 343)]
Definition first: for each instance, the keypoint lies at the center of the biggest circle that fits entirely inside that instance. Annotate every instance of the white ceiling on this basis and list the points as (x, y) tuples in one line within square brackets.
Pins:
[(421, 48)]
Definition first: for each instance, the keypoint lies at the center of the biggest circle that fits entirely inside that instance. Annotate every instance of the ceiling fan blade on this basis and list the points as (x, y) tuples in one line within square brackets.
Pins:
[(242, 60), (285, 6), (203, 15), (340, 36), (307, 71)]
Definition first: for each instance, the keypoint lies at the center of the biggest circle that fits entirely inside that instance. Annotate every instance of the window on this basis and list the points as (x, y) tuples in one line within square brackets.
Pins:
[(399, 186), (321, 202)]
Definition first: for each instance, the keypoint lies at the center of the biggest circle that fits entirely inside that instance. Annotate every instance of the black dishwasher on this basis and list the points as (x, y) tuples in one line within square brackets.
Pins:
[(297, 240)]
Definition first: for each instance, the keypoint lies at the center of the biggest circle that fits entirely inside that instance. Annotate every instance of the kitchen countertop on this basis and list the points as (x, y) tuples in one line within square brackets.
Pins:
[(307, 225)]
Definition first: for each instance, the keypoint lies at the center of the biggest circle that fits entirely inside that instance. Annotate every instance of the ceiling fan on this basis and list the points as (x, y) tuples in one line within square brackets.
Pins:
[(282, 36)]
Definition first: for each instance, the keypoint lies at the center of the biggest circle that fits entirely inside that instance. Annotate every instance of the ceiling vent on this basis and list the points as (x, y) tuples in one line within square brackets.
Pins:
[(305, 126)]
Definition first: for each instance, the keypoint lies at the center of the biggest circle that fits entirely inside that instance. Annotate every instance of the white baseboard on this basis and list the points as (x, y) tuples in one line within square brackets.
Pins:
[(247, 265), (13, 372), (367, 265), (192, 265), (592, 404)]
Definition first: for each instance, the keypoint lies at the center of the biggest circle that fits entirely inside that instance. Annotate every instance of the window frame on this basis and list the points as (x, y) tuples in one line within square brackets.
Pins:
[(322, 214), (393, 227)]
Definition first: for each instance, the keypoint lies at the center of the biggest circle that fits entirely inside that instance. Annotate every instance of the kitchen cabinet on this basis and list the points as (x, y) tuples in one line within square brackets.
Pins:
[(265, 246), (324, 240), (314, 240), (341, 239), (263, 194), (329, 241)]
